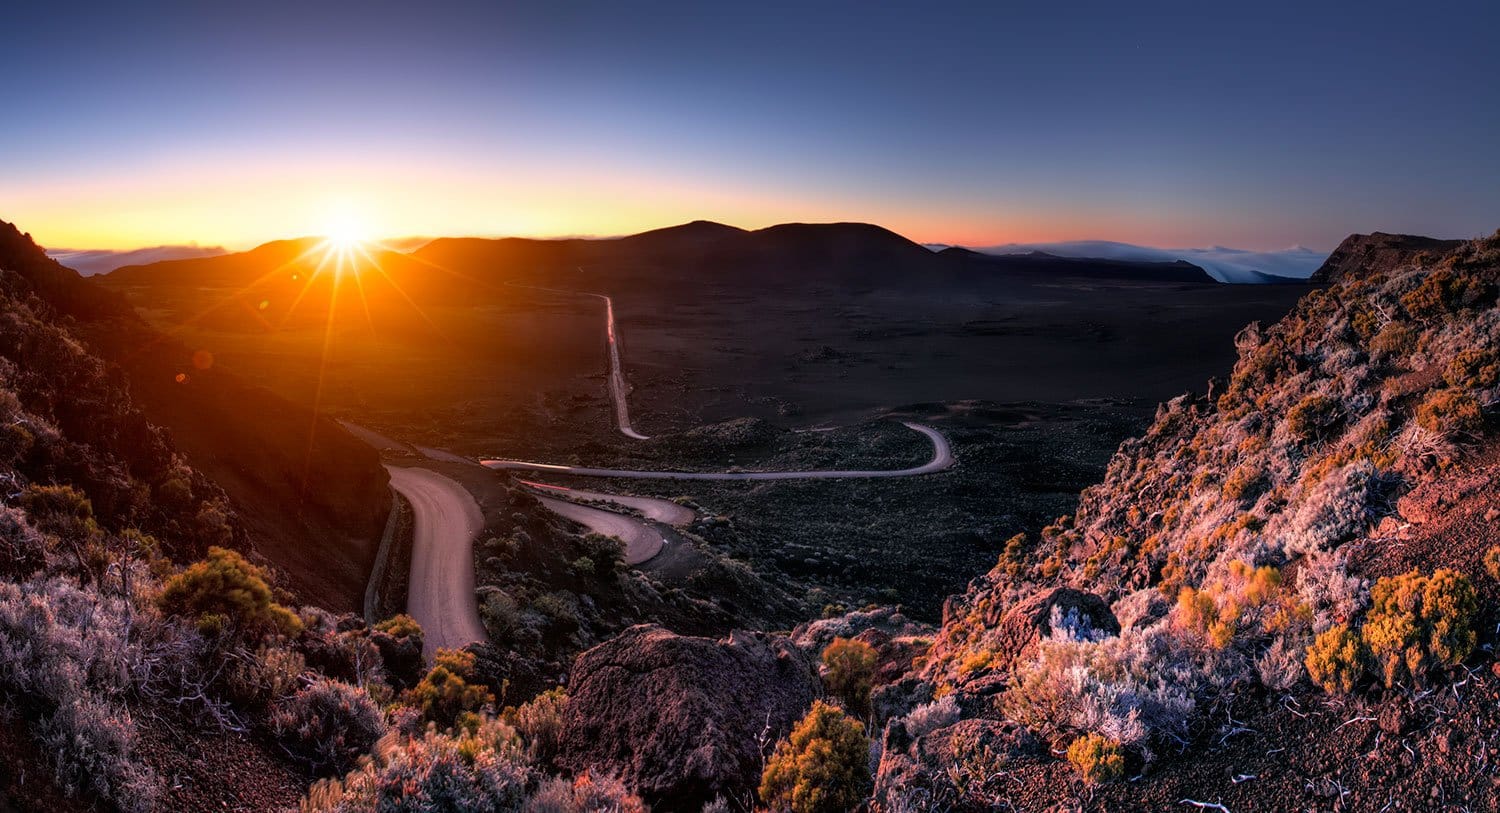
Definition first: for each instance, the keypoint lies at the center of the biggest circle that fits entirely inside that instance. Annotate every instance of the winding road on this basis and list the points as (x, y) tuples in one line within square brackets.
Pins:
[(653, 508), (942, 458), (440, 592), (641, 540), (441, 586)]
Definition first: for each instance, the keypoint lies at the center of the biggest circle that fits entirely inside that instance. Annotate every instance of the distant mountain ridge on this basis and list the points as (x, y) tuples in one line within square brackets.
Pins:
[(852, 256)]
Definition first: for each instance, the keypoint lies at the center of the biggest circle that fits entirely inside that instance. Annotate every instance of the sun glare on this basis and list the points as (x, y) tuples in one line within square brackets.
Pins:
[(345, 232)]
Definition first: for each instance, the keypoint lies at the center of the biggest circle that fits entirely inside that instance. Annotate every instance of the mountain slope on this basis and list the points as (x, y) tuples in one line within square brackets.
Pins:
[(1377, 252), (1185, 614)]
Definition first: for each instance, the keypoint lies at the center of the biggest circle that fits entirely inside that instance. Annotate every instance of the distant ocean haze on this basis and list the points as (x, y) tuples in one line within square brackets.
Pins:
[(89, 262)]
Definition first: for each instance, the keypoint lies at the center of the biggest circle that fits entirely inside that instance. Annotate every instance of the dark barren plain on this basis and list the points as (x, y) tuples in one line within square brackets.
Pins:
[(734, 344)]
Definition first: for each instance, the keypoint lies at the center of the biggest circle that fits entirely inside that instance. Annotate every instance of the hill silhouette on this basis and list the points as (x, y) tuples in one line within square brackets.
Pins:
[(272, 281)]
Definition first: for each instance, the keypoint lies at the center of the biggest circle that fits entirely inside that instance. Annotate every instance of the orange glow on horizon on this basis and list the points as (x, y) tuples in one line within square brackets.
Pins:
[(239, 205)]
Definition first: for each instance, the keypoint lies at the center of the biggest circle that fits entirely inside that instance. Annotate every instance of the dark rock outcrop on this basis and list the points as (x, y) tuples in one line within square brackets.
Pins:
[(1377, 253), (682, 719)]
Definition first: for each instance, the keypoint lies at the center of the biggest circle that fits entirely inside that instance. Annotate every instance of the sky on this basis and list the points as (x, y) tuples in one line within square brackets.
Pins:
[(1254, 125)]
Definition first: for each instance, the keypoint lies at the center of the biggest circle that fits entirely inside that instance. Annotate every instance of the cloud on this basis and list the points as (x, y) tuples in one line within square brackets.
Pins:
[(89, 262), (1224, 264)]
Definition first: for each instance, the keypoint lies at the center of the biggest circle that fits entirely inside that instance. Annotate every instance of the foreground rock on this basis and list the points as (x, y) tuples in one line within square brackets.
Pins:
[(682, 719)]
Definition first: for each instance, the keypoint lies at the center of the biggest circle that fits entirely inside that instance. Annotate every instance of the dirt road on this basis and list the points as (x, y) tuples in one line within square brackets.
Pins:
[(441, 588), (664, 511), (640, 539), (942, 458)]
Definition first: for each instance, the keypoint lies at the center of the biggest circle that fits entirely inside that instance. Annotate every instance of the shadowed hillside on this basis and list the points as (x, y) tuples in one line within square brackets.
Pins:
[(308, 496)]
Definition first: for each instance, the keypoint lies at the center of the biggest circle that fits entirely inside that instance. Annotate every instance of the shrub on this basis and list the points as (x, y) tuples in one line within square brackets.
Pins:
[(399, 640), (1492, 562), (329, 724), (67, 515), (500, 615), (469, 771), (1443, 291), (539, 722), (1098, 759), (1418, 624), (562, 620), (1280, 666), (401, 626), (264, 678), (931, 717), (223, 591), (1129, 688), (445, 695), (1450, 412), (849, 671), (585, 794), (1245, 482), (1336, 660), (64, 651), (1395, 339), (1219, 611), (1334, 509), (1473, 369), (22, 549), (1313, 417), (822, 767)]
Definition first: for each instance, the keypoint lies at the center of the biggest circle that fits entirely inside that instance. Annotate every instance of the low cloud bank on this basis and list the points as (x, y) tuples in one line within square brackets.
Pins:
[(1224, 264), (89, 262)]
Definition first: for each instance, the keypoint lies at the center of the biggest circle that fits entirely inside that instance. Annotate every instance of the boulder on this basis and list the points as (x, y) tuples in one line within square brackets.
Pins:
[(683, 719)]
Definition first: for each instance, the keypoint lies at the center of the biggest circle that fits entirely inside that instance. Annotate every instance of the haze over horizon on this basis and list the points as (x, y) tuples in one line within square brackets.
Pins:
[(1175, 125)]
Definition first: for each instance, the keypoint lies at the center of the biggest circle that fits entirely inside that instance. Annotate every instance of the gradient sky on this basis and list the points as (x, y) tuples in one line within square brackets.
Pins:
[(1259, 125)]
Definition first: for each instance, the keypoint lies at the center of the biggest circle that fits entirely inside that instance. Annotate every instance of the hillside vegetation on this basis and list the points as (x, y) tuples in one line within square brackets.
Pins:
[(1290, 564)]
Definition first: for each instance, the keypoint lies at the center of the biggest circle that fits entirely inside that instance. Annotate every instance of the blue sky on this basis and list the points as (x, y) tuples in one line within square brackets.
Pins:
[(1256, 125)]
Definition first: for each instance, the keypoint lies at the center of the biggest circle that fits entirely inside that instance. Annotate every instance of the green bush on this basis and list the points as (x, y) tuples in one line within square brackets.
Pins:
[(1445, 291), (850, 672), (1395, 339), (1473, 369), (1492, 562), (1313, 417), (823, 767), (1097, 758), (1418, 624), (445, 696), (1336, 660), (401, 626), (223, 593), (1450, 412), (540, 722)]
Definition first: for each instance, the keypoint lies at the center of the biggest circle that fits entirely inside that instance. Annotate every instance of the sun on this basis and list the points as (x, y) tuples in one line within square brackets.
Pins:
[(346, 232)]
